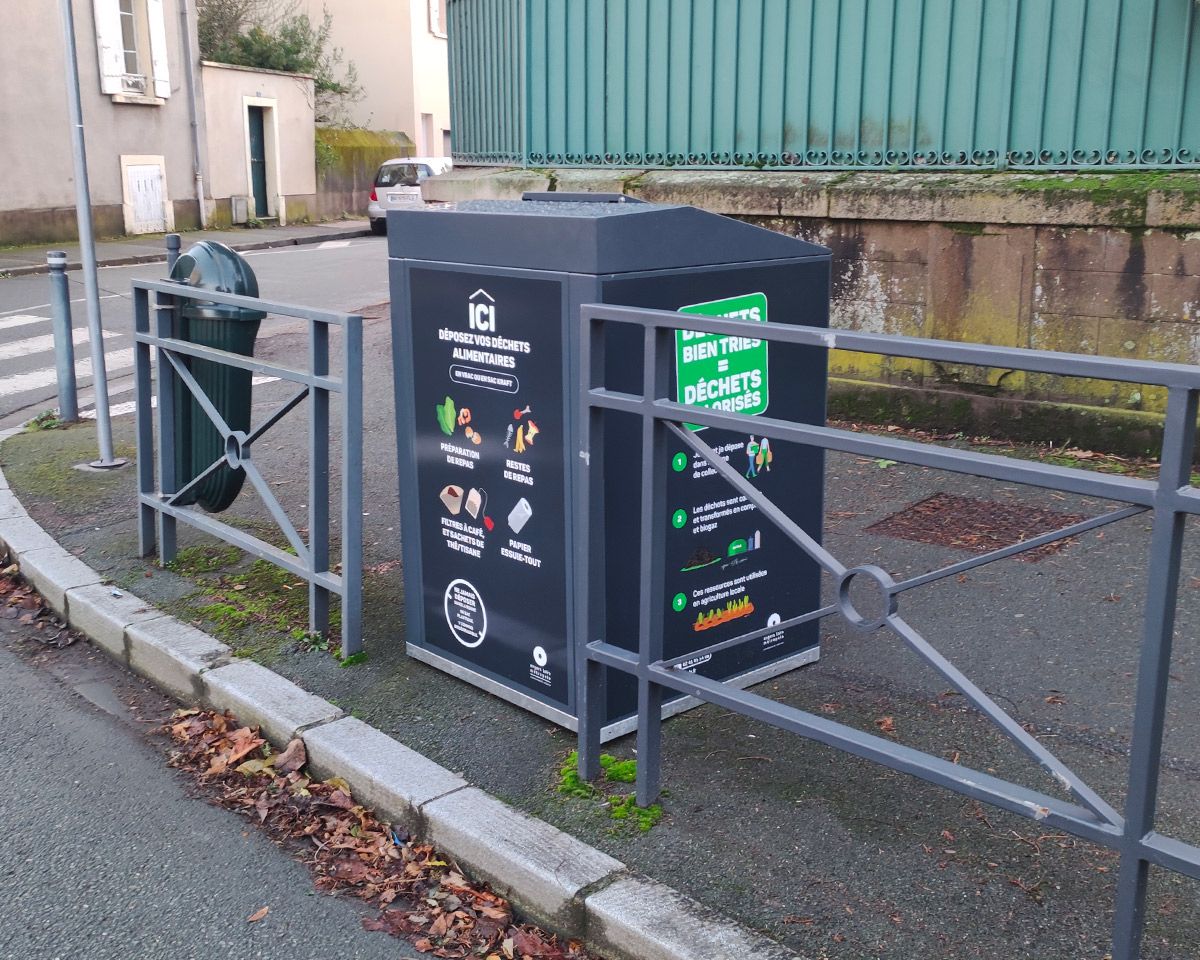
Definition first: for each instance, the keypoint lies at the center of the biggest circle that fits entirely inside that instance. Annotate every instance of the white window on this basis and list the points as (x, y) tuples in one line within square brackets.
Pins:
[(437, 17), (131, 40)]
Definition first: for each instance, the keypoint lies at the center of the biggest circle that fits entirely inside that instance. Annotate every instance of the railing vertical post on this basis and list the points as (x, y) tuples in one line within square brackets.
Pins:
[(655, 369), (64, 344), (318, 478), (145, 423), (1162, 591), (165, 310), (352, 478), (590, 676)]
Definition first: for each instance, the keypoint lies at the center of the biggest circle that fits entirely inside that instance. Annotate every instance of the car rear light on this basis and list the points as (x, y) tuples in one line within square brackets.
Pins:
[(373, 196)]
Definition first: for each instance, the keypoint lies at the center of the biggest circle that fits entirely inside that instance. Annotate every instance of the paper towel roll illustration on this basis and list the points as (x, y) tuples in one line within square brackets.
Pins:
[(519, 515)]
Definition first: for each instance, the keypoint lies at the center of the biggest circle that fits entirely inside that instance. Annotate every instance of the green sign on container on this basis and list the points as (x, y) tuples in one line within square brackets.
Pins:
[(723, 372)]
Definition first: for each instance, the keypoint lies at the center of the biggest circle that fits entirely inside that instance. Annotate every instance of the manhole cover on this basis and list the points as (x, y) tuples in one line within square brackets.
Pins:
[(976, 525)]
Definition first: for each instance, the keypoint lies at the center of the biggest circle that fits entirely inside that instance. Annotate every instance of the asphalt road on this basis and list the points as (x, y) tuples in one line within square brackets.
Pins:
[(337, 275), (104, 853)]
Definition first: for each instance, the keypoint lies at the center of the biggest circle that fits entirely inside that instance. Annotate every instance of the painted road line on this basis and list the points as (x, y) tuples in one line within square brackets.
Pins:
[(117, 409), (43, 306), (46, 377), (45, 344), (120, 409), (333, 244), (21, 320)]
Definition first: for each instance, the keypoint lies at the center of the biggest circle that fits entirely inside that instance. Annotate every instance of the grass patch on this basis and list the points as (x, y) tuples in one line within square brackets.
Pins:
[(621, 806), (205, 558), (255, 610)]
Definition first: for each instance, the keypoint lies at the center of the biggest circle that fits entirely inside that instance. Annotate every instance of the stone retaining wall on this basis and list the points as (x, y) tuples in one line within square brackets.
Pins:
[(1104, 264)]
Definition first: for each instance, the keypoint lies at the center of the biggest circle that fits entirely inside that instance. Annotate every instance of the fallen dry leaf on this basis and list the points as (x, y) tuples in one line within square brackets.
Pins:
[(886, 724), (258, 915)]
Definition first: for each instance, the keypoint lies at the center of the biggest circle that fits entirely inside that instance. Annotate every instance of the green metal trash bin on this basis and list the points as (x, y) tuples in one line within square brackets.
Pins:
[(198, 443)]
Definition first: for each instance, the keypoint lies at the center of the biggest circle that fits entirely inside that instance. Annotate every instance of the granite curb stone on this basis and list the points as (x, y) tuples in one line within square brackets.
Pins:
[(260, 697), (173, 654), (638, 919), (53, 572), (22, 534), (537, 866), (103, 613), (382, 772), (10, 506), (555, 878)]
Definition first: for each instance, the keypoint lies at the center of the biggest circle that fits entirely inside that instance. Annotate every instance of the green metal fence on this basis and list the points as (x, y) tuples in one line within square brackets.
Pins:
[(826, 84)]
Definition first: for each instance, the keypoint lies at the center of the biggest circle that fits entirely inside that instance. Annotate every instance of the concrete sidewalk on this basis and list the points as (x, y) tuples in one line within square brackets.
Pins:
[(147, 248)]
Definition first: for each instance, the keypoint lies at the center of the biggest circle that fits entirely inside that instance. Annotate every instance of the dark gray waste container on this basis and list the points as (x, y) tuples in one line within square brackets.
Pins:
[(209, 265), (485, 317)]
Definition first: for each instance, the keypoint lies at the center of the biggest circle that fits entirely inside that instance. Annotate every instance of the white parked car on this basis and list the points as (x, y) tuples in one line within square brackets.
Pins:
[(398, 184)]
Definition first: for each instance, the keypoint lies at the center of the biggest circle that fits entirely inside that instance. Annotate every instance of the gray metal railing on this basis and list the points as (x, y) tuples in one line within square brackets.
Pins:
[(159, 506), (1169, 498)]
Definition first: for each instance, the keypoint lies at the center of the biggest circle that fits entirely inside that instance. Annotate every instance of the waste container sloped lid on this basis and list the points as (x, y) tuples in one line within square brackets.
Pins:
[(589, 238)]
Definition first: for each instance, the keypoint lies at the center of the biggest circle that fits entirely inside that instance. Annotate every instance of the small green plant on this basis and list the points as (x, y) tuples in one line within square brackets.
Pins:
[(46, 420), (621, 806), (883, 464), (350, 661)]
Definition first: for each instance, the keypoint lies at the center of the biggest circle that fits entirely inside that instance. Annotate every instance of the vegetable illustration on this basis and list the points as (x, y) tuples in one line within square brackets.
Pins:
[(446, 415)]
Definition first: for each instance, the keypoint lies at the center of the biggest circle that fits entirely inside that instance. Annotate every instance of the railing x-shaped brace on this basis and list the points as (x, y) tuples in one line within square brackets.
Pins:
[(160, 505), (1170, 497)]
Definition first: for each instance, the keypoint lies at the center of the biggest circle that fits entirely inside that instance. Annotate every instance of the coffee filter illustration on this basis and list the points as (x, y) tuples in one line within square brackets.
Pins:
[(452, 497), (519, 515)]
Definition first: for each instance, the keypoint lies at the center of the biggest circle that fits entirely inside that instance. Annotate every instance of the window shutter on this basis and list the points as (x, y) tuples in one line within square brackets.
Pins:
[(110, 51), (158, 48)]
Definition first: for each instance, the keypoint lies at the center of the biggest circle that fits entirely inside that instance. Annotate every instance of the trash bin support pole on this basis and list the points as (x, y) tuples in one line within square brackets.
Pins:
[(318, 477), (143, 387), (164, 324), (352, 481), (64, 345), (655, 377)]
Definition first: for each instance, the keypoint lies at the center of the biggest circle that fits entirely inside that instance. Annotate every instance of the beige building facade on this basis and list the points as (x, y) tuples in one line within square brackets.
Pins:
[(399, 49), (261, 134), (136, 120), (138, 108)]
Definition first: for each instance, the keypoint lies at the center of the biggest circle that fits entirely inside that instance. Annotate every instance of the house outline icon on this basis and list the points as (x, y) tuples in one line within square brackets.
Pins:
[(484, 292)]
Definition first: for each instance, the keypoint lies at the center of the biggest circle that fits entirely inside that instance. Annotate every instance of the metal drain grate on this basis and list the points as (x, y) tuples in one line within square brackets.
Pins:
[(967, 523)]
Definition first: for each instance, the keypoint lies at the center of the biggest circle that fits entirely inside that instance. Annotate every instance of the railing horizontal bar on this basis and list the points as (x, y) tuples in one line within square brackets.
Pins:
[(920, 348), (244, 541), (1066, 479), (1013, 549), (331, 317), (963, 780), (253, 364), (1172, 854), (747, 637), (1188, 500)]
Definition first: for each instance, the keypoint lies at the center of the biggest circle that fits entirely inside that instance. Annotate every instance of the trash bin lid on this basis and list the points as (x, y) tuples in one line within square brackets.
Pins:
[(599, 237), (209, 265)]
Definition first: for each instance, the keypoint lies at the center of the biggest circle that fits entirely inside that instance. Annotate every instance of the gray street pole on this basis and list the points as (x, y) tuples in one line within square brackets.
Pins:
[(64, 346), (87, 246)]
